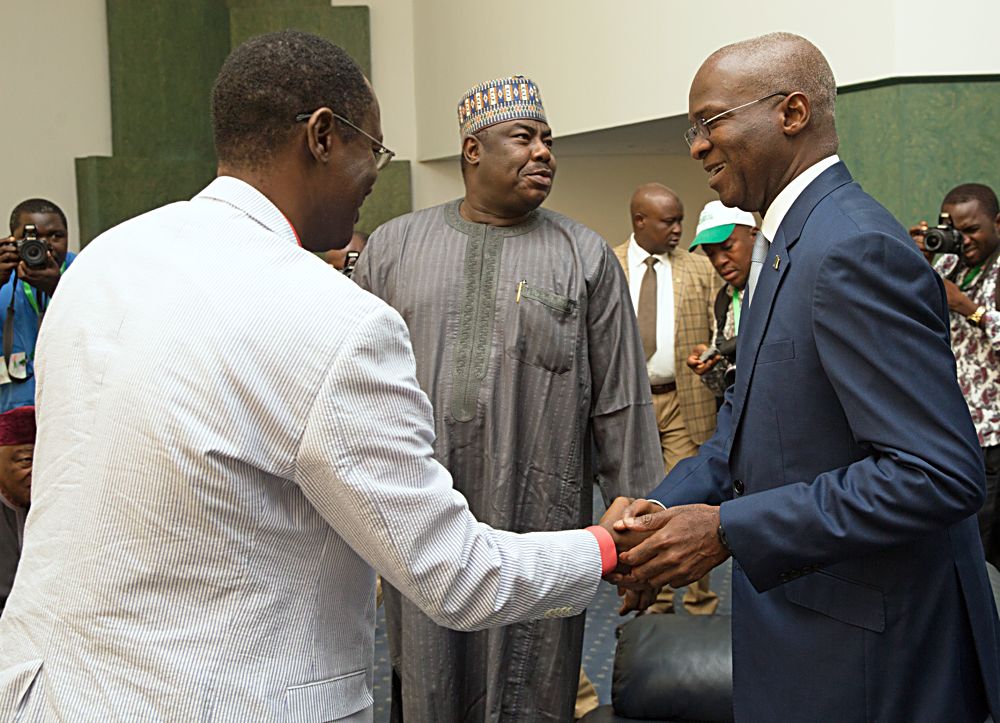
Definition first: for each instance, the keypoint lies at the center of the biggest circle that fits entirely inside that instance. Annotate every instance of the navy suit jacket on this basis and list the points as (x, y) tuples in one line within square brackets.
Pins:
[(849, 473)]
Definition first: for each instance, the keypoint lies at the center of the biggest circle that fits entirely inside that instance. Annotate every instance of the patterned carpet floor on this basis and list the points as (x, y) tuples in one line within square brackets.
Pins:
[(598, 639)]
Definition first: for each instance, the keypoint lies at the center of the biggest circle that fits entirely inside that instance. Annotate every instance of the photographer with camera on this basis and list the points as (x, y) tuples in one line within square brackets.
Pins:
[(967, 243), (726, 235), (32, 260)]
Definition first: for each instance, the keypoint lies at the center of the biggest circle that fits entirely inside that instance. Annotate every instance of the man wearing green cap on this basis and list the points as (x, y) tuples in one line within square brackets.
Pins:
[(526, 343), (726, 235)]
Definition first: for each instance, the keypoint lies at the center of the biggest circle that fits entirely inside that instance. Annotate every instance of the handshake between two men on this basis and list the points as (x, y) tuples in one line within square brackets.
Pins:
[(658, 546)]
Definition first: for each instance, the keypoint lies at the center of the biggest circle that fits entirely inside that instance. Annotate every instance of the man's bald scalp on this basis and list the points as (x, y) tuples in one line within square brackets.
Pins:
[(648, 192), (785, 62)]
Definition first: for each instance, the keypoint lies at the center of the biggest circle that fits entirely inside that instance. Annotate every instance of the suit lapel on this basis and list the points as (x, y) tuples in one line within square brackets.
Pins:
[(753, 324), (621, 252)]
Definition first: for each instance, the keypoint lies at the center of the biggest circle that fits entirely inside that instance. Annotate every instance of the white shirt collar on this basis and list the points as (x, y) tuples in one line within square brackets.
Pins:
[(637, 255), (784, 200), (241, 195)]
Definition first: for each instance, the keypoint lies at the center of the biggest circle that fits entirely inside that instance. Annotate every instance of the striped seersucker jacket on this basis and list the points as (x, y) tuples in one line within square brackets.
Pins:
[(230, 438)]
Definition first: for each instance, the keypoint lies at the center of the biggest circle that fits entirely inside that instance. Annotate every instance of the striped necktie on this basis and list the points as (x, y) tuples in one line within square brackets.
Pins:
[(757, 259)]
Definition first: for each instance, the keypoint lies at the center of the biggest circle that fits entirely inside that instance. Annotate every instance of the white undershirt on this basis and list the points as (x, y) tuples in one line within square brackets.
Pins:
[(660, 366)]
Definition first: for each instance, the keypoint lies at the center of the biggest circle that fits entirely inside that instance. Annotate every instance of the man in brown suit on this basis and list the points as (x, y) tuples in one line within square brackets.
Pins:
[(673, 294)]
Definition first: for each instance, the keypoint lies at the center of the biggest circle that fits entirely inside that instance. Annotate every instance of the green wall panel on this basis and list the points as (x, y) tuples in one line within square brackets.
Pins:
[(111, 190), (391, 197), (346, 26), (163, 61), (164, 57), (908, 142)]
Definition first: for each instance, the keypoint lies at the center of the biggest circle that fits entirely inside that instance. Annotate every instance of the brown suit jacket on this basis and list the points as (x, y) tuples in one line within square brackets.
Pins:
[(695, 287)]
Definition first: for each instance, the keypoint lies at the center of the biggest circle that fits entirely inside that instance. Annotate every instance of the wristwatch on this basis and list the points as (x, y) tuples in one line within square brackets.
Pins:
[(976, 317)]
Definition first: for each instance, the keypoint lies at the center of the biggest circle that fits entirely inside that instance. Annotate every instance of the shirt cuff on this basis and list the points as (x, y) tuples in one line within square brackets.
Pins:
[(609, 555), (657, 502)]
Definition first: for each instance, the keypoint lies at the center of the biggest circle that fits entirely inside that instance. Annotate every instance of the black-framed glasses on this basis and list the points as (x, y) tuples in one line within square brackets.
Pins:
[(382, 154), (700, 128)]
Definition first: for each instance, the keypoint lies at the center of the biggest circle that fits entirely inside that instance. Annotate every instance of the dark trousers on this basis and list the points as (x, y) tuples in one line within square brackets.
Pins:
[(989, 526)]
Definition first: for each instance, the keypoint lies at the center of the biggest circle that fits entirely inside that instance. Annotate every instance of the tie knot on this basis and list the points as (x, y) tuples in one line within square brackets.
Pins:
[(650, 260)]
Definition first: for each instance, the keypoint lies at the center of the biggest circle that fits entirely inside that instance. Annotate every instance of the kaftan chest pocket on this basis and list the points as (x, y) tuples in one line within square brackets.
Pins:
[(543, 329)]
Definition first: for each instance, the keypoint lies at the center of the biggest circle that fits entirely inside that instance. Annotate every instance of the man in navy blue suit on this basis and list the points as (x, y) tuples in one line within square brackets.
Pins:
[(845, 474)]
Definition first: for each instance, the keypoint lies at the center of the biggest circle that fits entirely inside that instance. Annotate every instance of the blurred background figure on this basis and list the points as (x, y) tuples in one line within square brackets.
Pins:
[(17, 445), (726, 236), (672, 294), (32, 260), (964, 248)]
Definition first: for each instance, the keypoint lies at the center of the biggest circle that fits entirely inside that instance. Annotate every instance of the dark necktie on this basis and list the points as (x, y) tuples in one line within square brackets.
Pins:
[(757, 259), (647, 308)]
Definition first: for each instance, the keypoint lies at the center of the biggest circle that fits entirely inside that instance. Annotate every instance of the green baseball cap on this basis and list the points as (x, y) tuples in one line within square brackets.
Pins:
[(717, 223)]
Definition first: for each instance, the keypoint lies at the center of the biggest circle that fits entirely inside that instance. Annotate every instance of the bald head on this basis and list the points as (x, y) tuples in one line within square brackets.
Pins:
[(657, 213), (783, 62), (650, 193)]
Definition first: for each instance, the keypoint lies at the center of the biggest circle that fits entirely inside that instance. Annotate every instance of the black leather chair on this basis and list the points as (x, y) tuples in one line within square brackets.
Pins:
[(679, 669), (671, 669)]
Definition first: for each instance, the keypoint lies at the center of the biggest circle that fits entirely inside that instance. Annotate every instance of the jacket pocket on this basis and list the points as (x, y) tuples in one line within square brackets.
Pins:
[(543, 332), (776, 351), (845, 600), (330, 699)]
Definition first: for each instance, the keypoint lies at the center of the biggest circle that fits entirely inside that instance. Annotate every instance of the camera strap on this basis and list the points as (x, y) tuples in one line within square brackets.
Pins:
[(8, 337)]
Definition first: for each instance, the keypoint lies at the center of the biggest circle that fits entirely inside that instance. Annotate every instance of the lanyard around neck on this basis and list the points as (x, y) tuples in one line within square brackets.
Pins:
[(29, 292), (736, 310)]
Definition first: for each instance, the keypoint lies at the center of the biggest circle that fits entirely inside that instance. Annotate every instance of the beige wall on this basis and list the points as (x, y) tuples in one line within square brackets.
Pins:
[(602, 64), (595, 190), (55, 100), (599, 65)]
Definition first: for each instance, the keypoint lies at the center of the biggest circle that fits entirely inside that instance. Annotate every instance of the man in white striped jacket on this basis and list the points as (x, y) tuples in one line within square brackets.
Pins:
[(221, 463)]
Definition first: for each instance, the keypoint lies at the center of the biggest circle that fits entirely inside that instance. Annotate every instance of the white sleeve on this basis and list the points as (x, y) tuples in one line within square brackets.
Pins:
[(366, 463)]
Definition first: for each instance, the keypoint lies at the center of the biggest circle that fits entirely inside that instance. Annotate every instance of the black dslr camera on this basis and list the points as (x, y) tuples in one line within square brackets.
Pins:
[(726, 349), (943, 238), (32, 249)]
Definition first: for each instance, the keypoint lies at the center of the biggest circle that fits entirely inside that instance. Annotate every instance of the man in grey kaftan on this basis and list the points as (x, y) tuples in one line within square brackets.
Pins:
[(527, 345)]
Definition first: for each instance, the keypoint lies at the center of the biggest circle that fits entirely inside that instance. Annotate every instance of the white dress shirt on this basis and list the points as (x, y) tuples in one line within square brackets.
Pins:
[(783, 201), (230, 438), (660, 366)]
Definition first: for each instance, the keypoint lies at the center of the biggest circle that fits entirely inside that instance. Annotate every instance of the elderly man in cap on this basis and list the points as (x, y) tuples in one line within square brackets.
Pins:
[(17, 443), (726, 237), (527, 345)]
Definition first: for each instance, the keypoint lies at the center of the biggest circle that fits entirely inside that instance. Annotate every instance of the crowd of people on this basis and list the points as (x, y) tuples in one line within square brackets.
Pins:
[(221, 468)]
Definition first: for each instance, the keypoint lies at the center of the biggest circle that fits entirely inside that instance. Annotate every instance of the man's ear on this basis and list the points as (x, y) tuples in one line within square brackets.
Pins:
[(796, 114), (471, 150), (638, 221), (321, 134)]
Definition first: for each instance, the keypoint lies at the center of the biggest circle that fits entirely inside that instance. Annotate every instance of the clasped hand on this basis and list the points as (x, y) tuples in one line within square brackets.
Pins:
[(656, 546)]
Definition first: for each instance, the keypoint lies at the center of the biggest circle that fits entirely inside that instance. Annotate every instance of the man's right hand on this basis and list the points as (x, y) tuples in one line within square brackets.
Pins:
[(917, 233), (8, 258), (696, 365)]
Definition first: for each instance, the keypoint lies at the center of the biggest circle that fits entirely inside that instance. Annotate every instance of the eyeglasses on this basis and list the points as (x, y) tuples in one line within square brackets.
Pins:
[(700, 128), (382, 154)]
